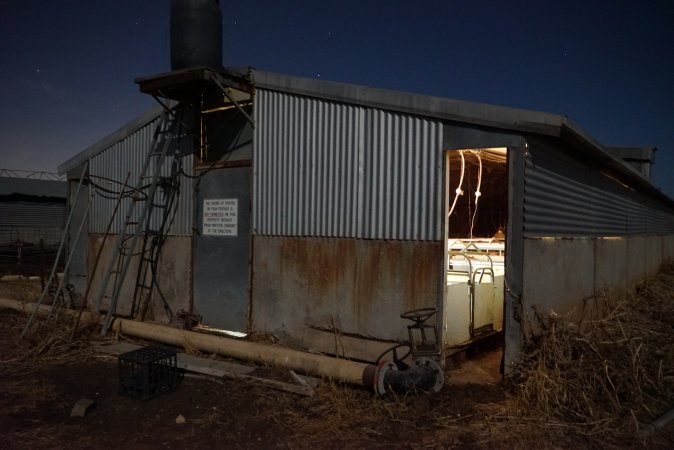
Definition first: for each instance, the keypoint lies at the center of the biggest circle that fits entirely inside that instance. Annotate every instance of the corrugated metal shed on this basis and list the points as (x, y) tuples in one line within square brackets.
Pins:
[(333, 159), (31, 210), (32, 215)]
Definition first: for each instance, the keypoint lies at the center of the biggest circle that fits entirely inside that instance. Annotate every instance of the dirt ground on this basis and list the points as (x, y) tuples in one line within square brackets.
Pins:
[(41, 380)]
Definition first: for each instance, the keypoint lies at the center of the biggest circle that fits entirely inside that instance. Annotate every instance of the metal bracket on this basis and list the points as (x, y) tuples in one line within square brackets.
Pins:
[(217, 79)]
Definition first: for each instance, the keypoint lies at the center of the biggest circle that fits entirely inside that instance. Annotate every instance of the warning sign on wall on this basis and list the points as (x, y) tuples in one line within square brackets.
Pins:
[(220, 217)]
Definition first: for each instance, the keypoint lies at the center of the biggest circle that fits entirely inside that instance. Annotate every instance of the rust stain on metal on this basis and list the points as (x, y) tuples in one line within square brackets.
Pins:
[(420, 283), (319, 263), (361, 285)]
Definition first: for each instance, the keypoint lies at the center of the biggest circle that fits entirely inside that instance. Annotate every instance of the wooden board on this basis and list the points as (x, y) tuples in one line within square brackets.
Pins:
[(344, 346)]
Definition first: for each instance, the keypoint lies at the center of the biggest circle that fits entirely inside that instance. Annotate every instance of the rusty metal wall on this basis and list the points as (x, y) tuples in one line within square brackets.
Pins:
[(329, 169), (359, 286), (172, 275), (109, 168), (569, 195)]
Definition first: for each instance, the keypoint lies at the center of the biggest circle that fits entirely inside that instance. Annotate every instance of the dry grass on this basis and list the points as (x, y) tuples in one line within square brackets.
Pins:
[(582, 381), (608, 376), (23, 290), (43, 343)]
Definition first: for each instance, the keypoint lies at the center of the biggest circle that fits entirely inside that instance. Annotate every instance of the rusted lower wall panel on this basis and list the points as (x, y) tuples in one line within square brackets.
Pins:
[(359, 286), (174, 271)]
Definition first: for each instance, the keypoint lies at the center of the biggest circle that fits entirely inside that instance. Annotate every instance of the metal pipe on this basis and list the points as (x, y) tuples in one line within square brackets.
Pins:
[(309, 363), (426, 374)]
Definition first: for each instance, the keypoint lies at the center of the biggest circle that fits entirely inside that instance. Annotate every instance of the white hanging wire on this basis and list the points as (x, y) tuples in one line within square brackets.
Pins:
[(477, 192), (458, 190)]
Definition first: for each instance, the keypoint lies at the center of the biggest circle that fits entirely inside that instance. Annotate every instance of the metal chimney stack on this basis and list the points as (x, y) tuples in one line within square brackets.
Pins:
[(196, 33)]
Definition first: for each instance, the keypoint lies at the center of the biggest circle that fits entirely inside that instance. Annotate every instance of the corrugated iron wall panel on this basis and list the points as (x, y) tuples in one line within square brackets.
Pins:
[(109, 169), (333, 170), (572, 197), (306, 154), (403, 163)]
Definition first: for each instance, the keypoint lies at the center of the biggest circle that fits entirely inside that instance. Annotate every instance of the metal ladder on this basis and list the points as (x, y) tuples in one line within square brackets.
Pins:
[(125, 244), (146, 281)]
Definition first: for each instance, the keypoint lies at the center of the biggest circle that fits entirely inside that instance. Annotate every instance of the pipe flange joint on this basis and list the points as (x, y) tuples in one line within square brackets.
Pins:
[(435, 367), (380, 374)]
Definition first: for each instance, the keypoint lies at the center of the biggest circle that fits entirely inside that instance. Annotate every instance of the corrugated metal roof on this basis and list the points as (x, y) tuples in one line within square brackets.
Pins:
[(33, 187), (111, 139), (499, 117), (512, 119), (410, 103)]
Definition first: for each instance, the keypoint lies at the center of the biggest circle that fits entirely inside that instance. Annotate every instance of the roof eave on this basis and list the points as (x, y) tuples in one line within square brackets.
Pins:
[(110, 139), (418, 104), (573, 134)]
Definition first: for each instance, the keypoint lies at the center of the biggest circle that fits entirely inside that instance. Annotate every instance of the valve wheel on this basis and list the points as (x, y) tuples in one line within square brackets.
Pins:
[(419, 315)]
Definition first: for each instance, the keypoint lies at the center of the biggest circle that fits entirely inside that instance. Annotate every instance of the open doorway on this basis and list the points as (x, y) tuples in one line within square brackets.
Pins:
[(476, 208)]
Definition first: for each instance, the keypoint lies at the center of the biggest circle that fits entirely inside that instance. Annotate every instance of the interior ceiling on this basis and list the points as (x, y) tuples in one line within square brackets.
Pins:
[(493, 155)]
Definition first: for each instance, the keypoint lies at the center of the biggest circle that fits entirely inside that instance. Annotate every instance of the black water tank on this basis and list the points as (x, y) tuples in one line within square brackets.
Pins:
[(196, 33)]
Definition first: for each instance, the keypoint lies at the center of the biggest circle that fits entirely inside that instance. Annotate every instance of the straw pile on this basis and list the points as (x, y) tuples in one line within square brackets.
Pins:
[(606, 376), (43, 343)]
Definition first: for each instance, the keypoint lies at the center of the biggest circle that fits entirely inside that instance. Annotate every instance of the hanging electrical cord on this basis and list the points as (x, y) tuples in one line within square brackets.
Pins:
[(128, 192), (171, 191), (458, 190), (477, 191)]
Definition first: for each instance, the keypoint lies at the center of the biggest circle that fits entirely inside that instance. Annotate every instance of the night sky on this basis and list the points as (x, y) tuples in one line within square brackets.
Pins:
[(67, 69)]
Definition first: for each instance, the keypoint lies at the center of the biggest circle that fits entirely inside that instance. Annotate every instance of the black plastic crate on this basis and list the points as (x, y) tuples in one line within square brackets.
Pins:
[(147, 372)]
